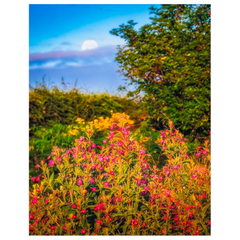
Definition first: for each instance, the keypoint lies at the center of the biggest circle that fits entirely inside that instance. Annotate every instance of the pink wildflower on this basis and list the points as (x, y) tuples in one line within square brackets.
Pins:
[(79, 182), (204, 152), (33, 179), (51, 163), (106, 184)]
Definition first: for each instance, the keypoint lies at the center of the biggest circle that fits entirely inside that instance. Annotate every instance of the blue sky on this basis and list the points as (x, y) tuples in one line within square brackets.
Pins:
[(56, 36)]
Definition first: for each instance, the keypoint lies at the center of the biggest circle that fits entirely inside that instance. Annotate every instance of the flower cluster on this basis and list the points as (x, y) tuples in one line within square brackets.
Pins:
[(113, 189), (100, 124)]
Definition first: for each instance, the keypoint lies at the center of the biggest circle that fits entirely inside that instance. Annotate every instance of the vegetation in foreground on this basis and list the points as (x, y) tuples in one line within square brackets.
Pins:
[(111, 189), (133, 179)]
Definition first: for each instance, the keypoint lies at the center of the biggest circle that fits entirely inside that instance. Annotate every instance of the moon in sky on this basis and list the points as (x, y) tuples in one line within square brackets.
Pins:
[(89, 44)]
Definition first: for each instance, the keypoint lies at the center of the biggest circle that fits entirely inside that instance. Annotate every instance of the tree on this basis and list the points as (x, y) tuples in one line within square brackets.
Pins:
[(169, 61)]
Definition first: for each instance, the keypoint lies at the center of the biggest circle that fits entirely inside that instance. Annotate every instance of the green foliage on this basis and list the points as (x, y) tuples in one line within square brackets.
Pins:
[(169, 62), (61, 106), (42, 139)]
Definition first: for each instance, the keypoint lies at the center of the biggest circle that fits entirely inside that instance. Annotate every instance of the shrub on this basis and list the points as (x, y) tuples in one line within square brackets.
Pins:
[(113, 190), (168, 61), (42, 139), (47, 105)]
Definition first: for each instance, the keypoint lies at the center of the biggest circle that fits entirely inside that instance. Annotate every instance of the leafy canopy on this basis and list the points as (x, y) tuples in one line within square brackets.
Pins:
[(169, 62)]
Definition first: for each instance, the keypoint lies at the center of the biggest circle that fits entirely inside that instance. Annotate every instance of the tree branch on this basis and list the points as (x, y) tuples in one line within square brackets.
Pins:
[(207, 10), (150, 79)]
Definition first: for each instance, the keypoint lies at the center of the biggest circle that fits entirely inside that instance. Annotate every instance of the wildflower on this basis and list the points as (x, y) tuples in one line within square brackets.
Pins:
[(33, 179), (135, 223), (185, 155), (167, 172), (74, 216), (84, 211), (94, 189), (104, 141), (83, 231), (198, 154), (91, 180), (38, 179), (119, 143), (99, 221), (143, 152), (79, 182), (81, 139), (93, 145), (30, 216), (106, 184), (194, 176), (175, 167), (204, 152), (73, 206), (53, 227), (111, 173), (101, 168), (100, 159), (51, 163), (47, 201), (121, 152)]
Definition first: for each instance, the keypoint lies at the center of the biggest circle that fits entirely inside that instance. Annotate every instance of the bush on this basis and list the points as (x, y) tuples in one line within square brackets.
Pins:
[(59, 106), (42, 139), (168, 61), (113, 190)]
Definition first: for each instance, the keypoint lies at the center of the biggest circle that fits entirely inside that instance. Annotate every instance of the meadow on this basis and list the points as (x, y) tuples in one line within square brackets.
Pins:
[(97, 166)]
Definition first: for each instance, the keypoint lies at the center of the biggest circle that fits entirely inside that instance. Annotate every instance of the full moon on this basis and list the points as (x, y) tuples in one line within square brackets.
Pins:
[(89, 44)]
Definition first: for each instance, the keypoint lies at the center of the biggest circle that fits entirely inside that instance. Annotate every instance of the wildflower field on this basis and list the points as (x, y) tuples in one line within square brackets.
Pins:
[(100, 178), (137, 163)]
